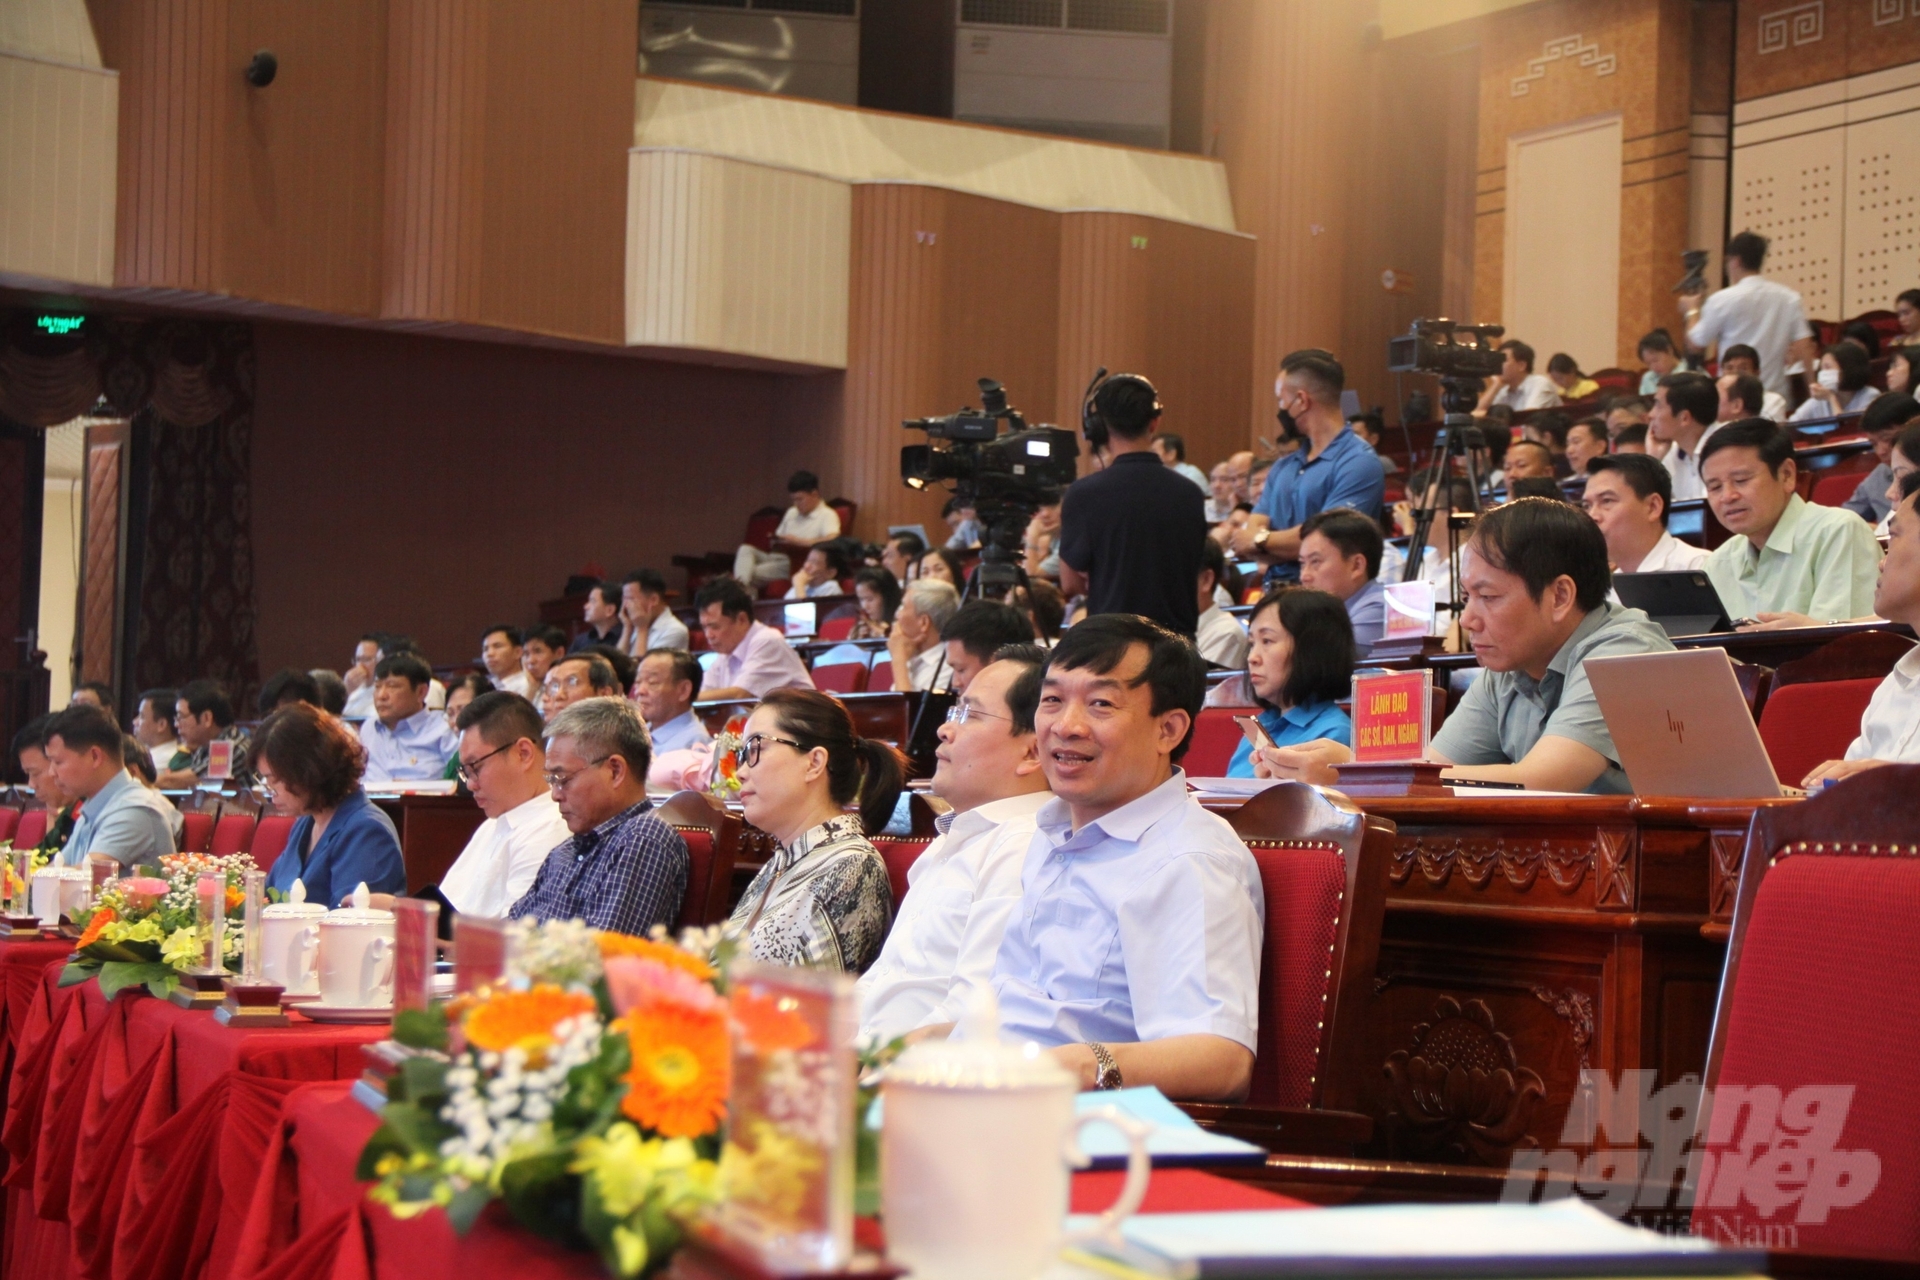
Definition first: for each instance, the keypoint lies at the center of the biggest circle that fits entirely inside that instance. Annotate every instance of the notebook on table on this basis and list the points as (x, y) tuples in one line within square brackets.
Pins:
[(1681, 726)]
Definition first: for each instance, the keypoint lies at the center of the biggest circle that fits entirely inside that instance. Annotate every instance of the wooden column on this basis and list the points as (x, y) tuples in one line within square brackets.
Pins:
[(103, 543)]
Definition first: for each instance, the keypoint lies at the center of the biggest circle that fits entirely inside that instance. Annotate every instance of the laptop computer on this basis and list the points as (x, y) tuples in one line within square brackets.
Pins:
[(1682, 601), (1681, 727)]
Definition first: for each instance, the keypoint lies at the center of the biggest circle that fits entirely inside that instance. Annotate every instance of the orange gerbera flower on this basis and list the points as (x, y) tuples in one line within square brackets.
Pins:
[(625, 944), (95, 927), (523, 1019), (770, 1023), (677, 1086)]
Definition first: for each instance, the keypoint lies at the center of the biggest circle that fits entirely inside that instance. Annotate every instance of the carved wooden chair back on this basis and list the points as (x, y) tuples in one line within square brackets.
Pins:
[(712, 837)]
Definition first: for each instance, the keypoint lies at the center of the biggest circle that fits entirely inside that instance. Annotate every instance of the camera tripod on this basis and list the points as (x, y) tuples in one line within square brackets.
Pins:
[(1459, 437)]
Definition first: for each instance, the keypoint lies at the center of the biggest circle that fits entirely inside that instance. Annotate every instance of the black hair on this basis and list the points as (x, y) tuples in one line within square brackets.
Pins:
[(1863, 333), (473, 680), (1656, 340), (1128, 404), (884, 585), (600, 673), (1023, 695), (1564, 363), (830, 552), (1642, 472), (863, 769), (1320, 368), (649, 581), (1692, 393), (911, 544), (1909, 484), (728, 594), (1908, 443), (1893, 409), (947, 558), (100, 690), (1856, 369), (685, 666), (1535, 487), (1047, 606), (312, 752), (80, 726), (202, 696), (409, 666), (1909, 296), (984, 627), (32, 736), (1175, 672), (511, 632), (1766, 437), (1173, 441), (619, 660), (1632, 433), (609, 592), (331, 690), (1739, 351), (1519, 444), (1539, 541), (1749, 248), (1748, 392), (803, 482), (1521, 352), (1351, 532), (1322, 666), (135, 756), (289, 684), (164, 697), (1553, 424), (503, 718), (1596, 427), (546, 633)]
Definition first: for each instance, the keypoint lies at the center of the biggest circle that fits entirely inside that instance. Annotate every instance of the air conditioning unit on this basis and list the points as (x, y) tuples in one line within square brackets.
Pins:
[(1100, 69), (799, 48)]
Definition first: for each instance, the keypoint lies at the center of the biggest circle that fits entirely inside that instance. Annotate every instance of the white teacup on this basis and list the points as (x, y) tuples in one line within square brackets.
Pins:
[(59, 891), (356, 956), (290, 943)]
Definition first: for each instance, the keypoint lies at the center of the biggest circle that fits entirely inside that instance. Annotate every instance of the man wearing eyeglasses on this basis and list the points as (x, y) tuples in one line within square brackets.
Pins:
[(622, 869), (504, 764), (962, 889)]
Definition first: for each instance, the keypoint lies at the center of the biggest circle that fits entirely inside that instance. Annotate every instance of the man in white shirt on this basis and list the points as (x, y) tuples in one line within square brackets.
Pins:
[(153, 726), (1890, 729), (1686, 408), (975, 633), (752, 657), (359, 677), (1743, 361), (1751, 311), (645, 621), (808, 520), (901, 551), (500, 654), (1518, 387), (663, 688), (962, 889), (919, 659), (1218, 635), (504, 765), (1627, 496)]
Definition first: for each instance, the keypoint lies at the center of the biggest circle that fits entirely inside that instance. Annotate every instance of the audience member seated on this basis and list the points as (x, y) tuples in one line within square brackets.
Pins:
[(901, 551), (977, 631), (913, 643), (1624, 412), (622, 869), (202, 716), (1658, 353), (1844, 383), (1549, 427), (938, 565), (1586, 440), (624, 668), (961, 890), (1906, 310), (1535, 487), (310, 766), (502, 656), (577, 678), (754, 658), (1741, 397), (1566, 375), (808, 520), (30, 749), (1334, 468), (460, 696), (1040, 544), (602, 616), (1883, 422), (1048, 609), (1890, 728), (1298, 669), (1369, 427), (1743, 361), (503, 763), (1902, 364), (1903, 462), (645, 621), (540, 648), (823, 899), (405, 741), (878, 594), (1528, 460), (1761, 315), (285, 687), (1221, 493), (1628, 495), (664, 690), (1685, 413), (331, 690), (1535, 578), (1632, 438), (94, 694), (119, 817), (1790, 563), (818, 575), (963, 522), (140, 769), (1172, 452), (1218, 635), (359, 677), (1134, 951), (1340, 554), (1518, 388), (153, 726)]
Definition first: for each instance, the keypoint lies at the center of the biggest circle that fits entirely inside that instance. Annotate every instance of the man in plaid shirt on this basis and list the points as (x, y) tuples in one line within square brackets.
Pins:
[(623, 869)]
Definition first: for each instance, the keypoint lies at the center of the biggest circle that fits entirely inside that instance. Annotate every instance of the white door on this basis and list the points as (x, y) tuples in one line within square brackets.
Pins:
[(1562, 277)]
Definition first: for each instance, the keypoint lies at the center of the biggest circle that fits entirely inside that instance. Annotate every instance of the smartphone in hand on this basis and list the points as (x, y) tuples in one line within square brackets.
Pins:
[(1256, 736)]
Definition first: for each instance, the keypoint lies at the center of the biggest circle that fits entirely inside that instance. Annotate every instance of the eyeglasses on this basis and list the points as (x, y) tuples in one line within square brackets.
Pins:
[(468, 772), (961, 712), (266, 789), (750, 749), (560, 781)]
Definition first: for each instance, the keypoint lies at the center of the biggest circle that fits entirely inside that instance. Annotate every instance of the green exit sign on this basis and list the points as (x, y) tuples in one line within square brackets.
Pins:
[(58, 326)]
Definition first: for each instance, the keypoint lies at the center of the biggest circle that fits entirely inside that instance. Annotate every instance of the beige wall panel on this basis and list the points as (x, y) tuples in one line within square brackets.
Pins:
[(51, 30), (58, 153), (1882, 210), (1562, 270), (736, 258), (1790, 190)]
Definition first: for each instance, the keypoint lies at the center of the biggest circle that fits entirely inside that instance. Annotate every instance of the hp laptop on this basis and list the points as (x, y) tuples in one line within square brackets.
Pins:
[(1681, 726), (1683, 602)]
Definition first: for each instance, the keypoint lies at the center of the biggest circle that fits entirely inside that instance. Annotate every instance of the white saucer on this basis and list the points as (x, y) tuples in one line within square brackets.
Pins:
[(351, 1014)]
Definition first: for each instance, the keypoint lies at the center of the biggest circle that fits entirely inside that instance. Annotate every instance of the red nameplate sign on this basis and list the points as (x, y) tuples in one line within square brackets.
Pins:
[(219, 760), (1390, 715)]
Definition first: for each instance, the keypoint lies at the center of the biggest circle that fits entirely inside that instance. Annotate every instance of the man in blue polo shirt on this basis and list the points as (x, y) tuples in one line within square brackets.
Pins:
[(1333, 467)]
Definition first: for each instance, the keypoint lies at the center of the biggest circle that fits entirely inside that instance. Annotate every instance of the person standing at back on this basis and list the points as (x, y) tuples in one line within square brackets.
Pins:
[(1131, 535), (1752, 311)]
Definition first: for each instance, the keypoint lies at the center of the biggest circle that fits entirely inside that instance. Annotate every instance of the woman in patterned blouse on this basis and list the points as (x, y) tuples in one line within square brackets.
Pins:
[(823, 898)]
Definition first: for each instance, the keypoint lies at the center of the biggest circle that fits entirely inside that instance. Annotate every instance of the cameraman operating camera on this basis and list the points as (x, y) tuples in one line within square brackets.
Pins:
[(1131, 536)]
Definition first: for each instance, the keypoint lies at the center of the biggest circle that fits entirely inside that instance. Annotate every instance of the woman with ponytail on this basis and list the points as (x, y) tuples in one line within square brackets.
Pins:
[(823, 898)]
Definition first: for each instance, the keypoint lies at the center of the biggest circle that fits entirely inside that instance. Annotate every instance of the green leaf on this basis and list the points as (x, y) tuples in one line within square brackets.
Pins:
[(116, 976), (416, 1129), (423, 1079), (464, 1209), (421, 1028), (78, 970), (542, 1196)]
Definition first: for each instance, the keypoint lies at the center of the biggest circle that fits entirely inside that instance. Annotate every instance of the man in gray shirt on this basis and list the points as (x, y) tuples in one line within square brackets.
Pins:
[(1535, 579), (119, 817)]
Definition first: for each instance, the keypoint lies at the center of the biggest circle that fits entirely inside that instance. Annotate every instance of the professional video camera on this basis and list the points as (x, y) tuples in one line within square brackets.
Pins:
[(1447, 350), (1005, 476)]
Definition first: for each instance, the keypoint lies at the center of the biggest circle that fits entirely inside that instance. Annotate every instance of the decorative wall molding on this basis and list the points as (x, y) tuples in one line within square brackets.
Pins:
[(1794, 26), (1519, 861), (1575, 1008), (1888, 12), (1565, 47)]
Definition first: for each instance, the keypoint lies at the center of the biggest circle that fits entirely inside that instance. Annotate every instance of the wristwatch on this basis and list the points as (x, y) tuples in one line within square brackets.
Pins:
[(1260, 541), (1108, 1077)]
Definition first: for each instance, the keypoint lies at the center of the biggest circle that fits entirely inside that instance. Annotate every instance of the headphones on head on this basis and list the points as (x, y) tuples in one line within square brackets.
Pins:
[(1093, 423)]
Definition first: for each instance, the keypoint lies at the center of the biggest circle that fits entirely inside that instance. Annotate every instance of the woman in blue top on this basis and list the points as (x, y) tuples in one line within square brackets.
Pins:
[(1299, 666), (309, 765)]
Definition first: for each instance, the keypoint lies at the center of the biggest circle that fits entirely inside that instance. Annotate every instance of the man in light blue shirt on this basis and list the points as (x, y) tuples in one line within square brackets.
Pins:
[(1340, 553), (405, 741), (119, 817), (1134, 951), (663, 688)]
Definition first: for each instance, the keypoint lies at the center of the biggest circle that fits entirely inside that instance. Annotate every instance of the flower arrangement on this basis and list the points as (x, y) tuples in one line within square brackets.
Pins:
[(143, 930), (727, 745), (585, 1093)]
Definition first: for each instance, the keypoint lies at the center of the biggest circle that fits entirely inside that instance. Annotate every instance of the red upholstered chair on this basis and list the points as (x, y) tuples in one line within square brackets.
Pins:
[(880, 674), (31, 830), (846, 509), (713, 842), (196, 835), (270, 840), (1833, 488), (900, 853), (760, 527), (9, 821), (776, 590), (1813, 705), (1817, 1007), (839, 628), (1215, 736), (840, 677), (232, 834)]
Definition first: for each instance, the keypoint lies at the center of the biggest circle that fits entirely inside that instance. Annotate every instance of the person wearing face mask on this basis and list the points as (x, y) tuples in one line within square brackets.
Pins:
[(1333, 467), (1844, 384)]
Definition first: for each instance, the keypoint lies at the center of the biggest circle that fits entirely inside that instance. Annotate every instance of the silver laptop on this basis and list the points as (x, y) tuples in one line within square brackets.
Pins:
[(1681, 726)]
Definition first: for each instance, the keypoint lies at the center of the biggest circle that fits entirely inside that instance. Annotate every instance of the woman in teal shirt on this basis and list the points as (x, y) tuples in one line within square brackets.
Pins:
[(1299, 666)]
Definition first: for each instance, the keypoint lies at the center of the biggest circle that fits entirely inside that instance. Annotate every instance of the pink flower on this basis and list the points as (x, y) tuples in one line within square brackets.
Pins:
[(634, 980), (141, 892)]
